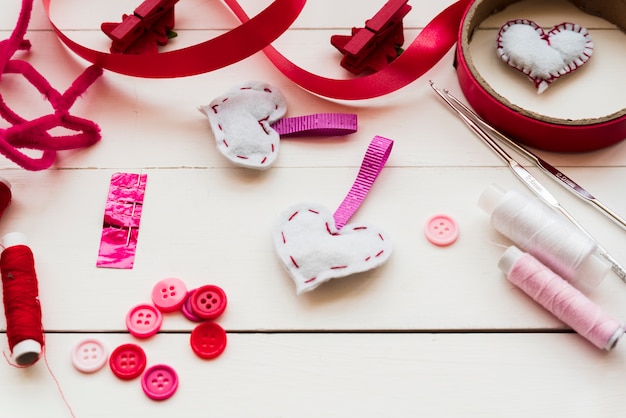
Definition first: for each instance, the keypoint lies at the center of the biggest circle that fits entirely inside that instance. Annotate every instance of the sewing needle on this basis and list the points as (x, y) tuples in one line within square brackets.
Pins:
[(529, 180), (563, 180)]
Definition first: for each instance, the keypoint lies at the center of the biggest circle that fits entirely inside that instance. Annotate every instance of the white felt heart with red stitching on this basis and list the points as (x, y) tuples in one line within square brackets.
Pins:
[(544, 56), (314, 251), (240, 120)]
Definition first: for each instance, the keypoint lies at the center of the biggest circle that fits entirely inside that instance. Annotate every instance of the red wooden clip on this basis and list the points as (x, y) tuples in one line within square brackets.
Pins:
[(144, 30), (376, 45)]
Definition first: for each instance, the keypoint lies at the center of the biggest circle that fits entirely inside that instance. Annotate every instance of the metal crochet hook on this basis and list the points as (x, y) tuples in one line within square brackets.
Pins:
[(527, 178), (563, 180)]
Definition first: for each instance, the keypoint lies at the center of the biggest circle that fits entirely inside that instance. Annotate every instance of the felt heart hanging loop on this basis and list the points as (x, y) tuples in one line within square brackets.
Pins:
[(314, 251), (316, 246), (247, 123), (544, 56)]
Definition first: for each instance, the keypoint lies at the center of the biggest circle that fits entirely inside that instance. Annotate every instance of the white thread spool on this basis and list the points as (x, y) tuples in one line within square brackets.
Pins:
[(26, 352), (541, 232)]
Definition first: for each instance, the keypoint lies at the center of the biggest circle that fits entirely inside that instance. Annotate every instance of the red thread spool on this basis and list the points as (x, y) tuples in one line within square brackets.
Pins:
[(21, 300), (5, 195)]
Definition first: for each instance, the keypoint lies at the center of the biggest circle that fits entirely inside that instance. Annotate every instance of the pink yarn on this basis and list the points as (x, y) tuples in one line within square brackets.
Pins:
[(34, 134), (565, 301)]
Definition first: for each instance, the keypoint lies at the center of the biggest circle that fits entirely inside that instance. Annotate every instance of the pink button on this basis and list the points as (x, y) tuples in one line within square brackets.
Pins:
[(441, 230), (144, 320), (128, 361), (208, 301), (89, 355), (208, 340), (169, 294), (159, 382)]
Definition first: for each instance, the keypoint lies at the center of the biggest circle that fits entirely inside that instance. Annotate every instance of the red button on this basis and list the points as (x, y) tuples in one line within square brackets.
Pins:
[(441, 230), (169, 294), (208, 302), (159, 382), (144, 320), (208, 340), (127, 361)]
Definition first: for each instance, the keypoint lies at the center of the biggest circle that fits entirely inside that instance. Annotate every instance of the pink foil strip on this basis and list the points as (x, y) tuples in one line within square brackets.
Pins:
[(122, 214), (375, 158)]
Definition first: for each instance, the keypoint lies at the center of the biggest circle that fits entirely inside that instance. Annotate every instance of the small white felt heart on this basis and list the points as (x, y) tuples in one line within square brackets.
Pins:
[(240, 120), (544, 56), (314, 252)]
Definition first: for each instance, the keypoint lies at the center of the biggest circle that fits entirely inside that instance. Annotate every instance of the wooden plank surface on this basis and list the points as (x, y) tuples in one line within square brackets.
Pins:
[(435, 331)]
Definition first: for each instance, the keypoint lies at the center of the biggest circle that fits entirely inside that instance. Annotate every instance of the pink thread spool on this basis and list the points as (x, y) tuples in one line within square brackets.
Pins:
[(563, 300)]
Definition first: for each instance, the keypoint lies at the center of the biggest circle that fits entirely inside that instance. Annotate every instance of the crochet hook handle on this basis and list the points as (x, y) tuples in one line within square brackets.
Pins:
[(527, 178), (563, 179)]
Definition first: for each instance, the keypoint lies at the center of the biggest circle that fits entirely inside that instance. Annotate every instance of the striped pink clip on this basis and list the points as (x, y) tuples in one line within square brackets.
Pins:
[(122, 215), (375, 158)]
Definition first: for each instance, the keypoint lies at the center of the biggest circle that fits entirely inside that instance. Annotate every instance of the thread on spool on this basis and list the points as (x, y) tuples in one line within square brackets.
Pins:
[(537, 229), (563, 300), (5, 195), (21, 302)]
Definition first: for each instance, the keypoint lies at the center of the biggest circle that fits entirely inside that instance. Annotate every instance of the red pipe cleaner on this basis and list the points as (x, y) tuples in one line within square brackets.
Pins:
[(34, 134)]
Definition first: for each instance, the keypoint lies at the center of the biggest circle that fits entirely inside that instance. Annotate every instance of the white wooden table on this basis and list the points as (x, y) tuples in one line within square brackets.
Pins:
[(436, 331)]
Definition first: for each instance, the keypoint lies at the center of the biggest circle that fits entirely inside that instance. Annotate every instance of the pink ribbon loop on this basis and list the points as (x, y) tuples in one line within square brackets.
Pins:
[(375, 158), (319, 124)]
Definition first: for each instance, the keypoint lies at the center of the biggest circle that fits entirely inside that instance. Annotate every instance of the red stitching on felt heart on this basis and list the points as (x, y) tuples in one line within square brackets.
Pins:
[(236, 132), (526, 61), (292, 235)]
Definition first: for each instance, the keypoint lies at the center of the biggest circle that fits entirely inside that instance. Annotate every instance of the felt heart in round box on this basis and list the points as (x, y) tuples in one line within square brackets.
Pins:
[(544, 56), (314, 251)]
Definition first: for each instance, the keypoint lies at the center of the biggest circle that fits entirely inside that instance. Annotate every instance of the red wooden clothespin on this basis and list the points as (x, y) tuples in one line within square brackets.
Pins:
[(149, 26), (377, 44)]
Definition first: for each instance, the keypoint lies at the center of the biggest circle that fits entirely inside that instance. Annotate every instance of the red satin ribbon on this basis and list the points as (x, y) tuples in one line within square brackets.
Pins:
[(432, 43), (226, 49), (255, 34)]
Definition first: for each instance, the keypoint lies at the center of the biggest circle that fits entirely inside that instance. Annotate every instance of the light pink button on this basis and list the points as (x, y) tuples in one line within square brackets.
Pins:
[(89, 355), (159, 382), (144, 320), (441, 230), (169, 294)]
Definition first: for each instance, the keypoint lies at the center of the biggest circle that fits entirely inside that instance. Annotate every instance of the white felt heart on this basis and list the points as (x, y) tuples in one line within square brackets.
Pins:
[(240, 120), (313, 251), (544, 56)]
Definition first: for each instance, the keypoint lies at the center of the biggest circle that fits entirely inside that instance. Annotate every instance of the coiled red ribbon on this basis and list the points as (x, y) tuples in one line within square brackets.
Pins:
[(256, 34), (452, 25)]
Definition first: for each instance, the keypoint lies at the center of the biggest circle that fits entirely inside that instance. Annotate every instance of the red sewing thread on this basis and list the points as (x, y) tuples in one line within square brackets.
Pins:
[(5, 195), (21, 303)]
